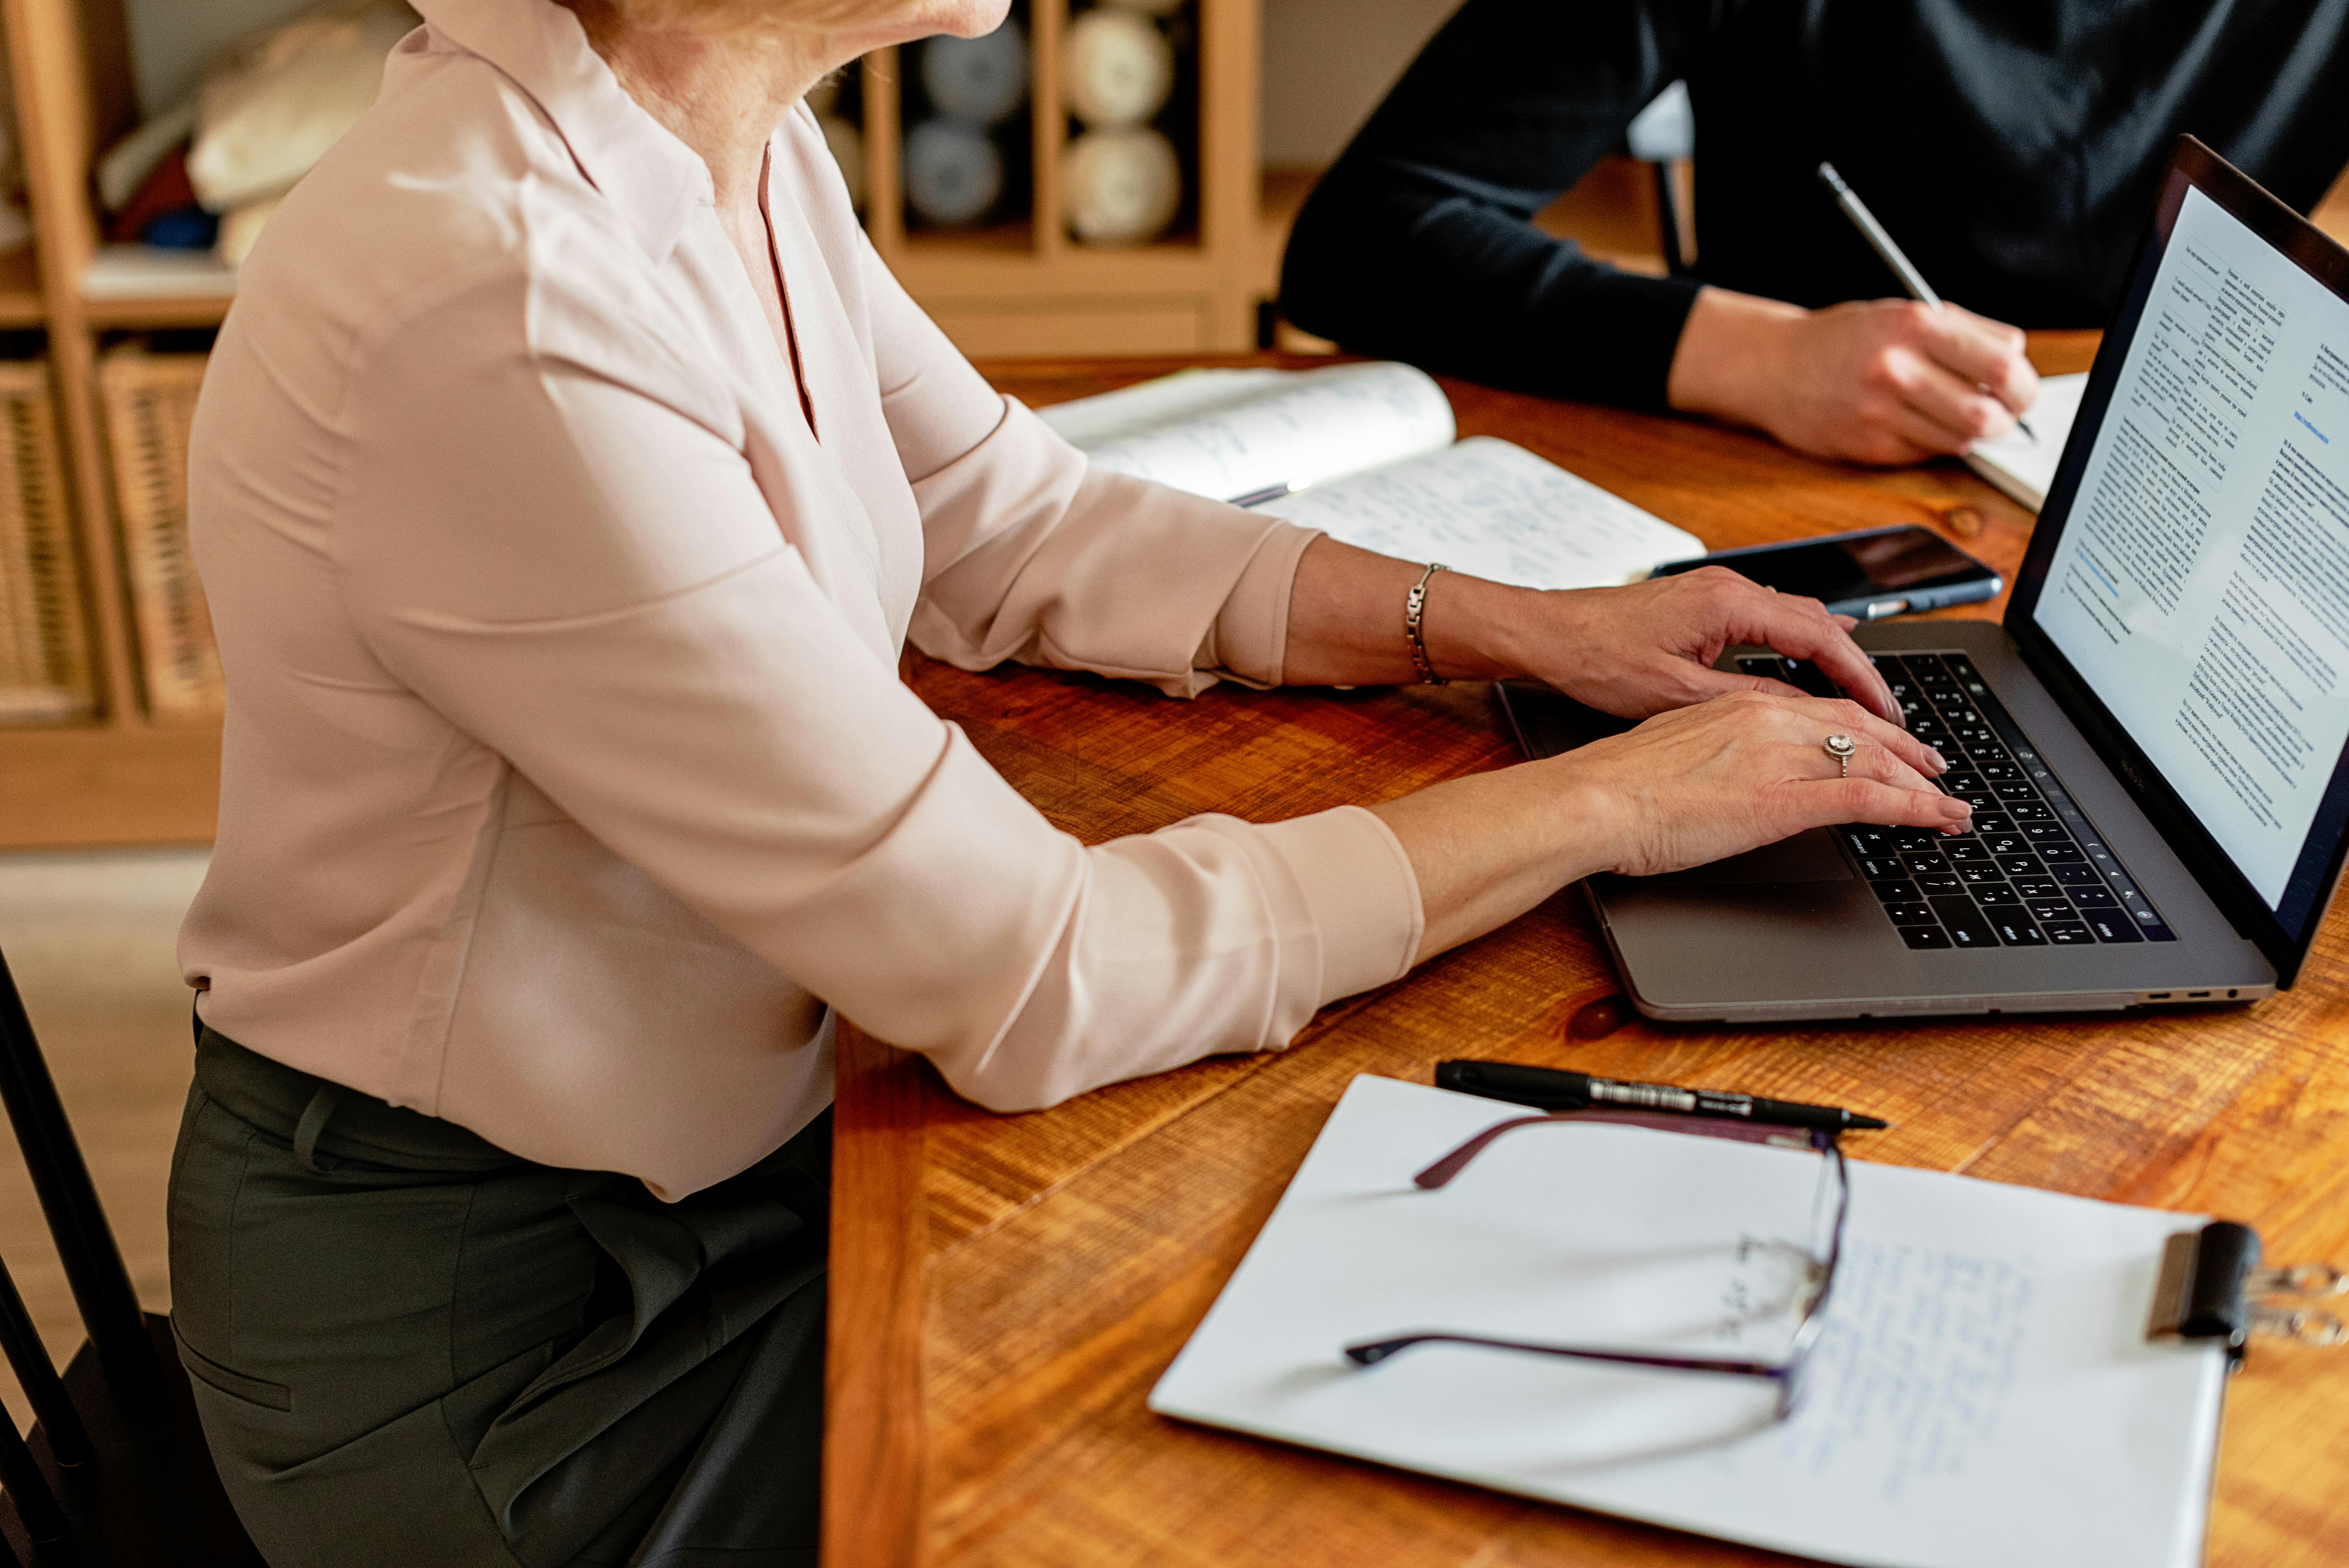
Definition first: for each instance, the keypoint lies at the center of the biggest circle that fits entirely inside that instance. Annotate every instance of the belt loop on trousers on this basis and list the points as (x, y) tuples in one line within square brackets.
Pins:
[(314, 1117)]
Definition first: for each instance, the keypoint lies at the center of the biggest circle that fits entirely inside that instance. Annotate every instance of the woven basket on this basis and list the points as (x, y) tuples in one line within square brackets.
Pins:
[(43, 647), (150, 402)]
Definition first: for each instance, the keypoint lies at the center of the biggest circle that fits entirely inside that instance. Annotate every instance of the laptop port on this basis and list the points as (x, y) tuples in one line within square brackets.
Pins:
[(2156, 995), (2196, 996)]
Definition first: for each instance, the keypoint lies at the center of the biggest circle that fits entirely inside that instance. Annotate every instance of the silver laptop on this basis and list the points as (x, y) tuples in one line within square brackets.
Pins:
[(2156, 741)]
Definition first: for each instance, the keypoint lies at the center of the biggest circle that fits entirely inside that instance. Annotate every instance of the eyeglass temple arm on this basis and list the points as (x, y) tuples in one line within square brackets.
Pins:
[(1452, 1164), (1371, 1351)]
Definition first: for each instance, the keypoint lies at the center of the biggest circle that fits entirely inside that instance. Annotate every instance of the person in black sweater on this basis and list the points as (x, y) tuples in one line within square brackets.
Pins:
[(2013, 147)]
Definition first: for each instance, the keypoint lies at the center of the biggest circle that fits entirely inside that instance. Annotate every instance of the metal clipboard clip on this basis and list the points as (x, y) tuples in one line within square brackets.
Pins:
[(2212, 1287)]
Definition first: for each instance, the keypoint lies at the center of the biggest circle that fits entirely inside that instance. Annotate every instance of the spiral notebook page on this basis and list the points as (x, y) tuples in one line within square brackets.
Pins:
[(1983, 1396)]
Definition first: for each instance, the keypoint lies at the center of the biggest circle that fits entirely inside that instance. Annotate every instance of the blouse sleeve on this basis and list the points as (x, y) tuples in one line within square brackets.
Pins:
[(1032, 556), (575, 568)]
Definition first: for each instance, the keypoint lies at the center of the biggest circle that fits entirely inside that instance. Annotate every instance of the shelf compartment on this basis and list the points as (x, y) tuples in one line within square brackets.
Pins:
[(150, 402), (20, 289), (45, 652), (1180, 120), (1030, 288), (1010, 220)]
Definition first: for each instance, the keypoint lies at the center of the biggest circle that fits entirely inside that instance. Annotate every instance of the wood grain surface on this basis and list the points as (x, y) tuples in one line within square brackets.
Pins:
[(1007, 1289)]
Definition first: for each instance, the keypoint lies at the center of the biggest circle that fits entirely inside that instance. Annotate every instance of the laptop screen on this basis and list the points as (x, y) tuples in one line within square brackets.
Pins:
[(2198, 583)]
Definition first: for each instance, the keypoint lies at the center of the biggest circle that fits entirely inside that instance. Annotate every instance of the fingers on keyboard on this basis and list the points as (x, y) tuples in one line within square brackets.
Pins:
[(2031, 874)]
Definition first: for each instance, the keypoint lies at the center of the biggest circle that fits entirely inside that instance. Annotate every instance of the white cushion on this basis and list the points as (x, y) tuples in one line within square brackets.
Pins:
[(272, 105)]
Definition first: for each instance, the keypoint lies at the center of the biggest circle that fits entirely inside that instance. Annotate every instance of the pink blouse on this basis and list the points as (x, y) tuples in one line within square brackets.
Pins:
[(568, 783)]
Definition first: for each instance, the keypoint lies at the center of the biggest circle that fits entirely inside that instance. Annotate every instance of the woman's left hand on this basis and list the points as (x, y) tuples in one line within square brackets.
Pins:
[(1633, 652), (1638, 651)]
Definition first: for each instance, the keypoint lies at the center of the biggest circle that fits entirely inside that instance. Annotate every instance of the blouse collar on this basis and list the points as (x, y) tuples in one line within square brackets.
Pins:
[(639, 165)]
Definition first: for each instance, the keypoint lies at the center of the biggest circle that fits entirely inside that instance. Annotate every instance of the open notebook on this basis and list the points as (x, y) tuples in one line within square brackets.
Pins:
[(2023, 465), (1984, 1395), (1365, 453)]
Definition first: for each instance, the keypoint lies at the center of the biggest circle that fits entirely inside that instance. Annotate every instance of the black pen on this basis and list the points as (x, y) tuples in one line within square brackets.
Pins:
[(1548, 1088)]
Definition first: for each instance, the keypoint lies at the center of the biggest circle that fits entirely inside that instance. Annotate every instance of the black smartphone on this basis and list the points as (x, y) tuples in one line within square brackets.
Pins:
[(1873, 573)]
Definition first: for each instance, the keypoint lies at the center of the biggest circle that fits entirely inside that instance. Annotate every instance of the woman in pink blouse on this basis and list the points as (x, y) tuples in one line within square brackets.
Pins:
[(569, 477)]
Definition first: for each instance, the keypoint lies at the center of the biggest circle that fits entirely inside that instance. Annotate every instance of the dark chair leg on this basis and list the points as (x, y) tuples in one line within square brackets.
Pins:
[(93, 1263), (36, 1505), (1668, 220), (37, 1374)]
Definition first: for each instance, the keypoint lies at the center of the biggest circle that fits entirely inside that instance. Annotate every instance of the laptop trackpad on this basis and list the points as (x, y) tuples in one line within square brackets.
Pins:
[(1807, 857)]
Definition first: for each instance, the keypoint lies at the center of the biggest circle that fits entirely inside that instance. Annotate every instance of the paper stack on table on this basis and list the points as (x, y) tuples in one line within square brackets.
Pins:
[(1365, 453), (1982, 1395)]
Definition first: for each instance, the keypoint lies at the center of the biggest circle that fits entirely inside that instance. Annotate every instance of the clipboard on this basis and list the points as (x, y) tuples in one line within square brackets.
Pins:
[(2012, 1379)]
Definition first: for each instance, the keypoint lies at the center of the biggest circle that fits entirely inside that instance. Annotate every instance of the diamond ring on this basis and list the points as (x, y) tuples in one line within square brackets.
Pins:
[(1841, 748)]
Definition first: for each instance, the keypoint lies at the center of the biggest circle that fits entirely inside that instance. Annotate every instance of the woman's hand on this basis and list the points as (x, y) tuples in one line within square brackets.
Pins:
[(1686, 787), (1698, 784), (1882, 381), (1630, 651), (1641, 650)]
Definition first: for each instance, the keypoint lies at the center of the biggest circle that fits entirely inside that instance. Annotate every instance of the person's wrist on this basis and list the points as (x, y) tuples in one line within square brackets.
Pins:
[(1475, 629), (1585, 825), (1734, 357)]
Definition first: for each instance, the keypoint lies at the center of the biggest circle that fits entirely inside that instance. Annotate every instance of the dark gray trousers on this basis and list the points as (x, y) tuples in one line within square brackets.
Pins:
[(412, 1348)]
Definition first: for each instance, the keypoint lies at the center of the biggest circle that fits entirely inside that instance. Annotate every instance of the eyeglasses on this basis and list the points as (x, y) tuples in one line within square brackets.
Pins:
[(1831, 1206)]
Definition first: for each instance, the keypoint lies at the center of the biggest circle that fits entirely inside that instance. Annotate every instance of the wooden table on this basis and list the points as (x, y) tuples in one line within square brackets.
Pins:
[(1006, 1290)]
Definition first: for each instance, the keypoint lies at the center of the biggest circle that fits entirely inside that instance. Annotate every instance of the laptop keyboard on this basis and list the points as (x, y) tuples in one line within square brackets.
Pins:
[(2034, 871)]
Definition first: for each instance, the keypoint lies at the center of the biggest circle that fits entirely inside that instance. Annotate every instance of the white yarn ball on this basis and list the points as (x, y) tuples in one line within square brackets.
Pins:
[(847, 144), (1119, 187), (983, 80), (1117, 70), (953, 173)]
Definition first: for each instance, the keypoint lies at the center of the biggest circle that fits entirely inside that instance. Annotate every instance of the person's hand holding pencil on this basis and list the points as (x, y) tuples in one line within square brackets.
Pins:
[(1870, 381)]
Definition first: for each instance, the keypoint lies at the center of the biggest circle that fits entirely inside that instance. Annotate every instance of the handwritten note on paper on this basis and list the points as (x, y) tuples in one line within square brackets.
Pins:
[(1913, 1373), (1252, 431), (1981, 1395), (1364, 452), (1493, 510)]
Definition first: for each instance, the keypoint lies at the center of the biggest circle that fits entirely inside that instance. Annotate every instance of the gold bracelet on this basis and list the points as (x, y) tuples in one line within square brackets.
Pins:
[(1413, 607)]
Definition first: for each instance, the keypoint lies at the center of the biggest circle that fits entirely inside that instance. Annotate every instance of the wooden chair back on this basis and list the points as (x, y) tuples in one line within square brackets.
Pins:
[(115, 1471)]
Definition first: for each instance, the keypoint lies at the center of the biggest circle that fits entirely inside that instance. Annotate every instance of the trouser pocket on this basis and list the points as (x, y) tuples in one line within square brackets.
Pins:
[(234, 1384)]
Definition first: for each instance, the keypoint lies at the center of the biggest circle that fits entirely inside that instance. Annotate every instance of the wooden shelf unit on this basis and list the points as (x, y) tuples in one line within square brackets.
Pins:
[(121, 779), (1030, 290)]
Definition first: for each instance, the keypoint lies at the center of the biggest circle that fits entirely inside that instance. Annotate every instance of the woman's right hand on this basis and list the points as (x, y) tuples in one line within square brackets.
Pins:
[(1685, 787), (1697, 784)]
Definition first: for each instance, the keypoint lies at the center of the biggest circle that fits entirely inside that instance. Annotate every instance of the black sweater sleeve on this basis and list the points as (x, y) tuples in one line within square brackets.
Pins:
[(1419, 243)]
